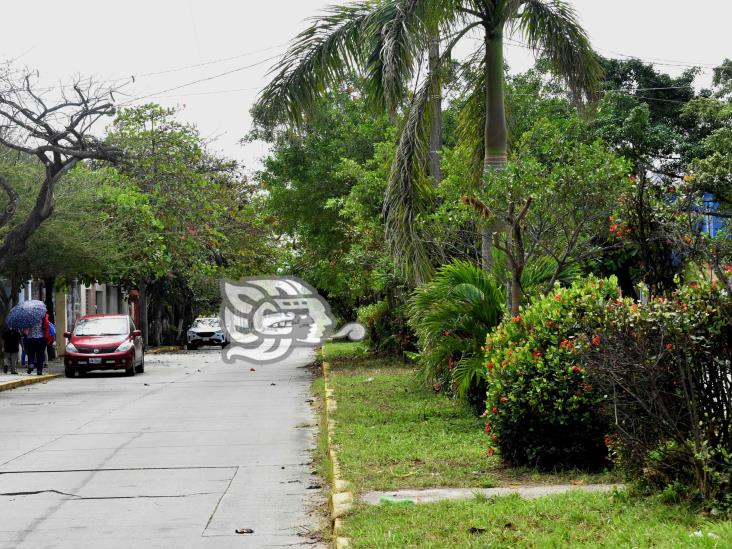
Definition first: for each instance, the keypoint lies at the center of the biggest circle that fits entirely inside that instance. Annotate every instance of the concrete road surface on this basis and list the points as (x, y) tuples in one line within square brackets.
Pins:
[(180, 456)]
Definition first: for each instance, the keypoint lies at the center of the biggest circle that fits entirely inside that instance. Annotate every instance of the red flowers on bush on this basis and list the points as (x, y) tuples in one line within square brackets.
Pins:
[(596, 340), (548, 418)]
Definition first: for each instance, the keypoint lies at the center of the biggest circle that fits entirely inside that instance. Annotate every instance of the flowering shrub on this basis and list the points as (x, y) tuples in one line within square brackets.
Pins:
[(667, 369), (542, 408)]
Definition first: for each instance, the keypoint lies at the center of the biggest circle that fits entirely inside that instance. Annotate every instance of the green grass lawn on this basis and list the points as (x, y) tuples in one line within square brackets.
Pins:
[(571, 520), (392, 432)]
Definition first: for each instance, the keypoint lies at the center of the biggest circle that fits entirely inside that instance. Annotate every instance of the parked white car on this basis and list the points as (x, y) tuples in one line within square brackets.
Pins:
[(206, 331)]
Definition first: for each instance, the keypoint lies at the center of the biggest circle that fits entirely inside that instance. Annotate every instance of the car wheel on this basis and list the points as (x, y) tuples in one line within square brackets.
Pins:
[(70, 372), (225, 344), (131, 370), (192, 346), (141, 368), (81, 372)]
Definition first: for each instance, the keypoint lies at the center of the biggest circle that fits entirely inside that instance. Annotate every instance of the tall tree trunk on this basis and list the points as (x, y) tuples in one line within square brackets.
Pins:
[(142, 308), (73, 305), (496, 136), (158, 324), (49, 283), (435, 113)]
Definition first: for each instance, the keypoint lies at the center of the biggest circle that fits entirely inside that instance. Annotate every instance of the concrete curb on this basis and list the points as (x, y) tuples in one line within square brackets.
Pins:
[(341, 498), (7, 385), (164, 349)]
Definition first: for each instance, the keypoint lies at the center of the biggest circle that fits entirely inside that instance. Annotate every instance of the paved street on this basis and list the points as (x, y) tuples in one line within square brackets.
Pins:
[(180, 456)]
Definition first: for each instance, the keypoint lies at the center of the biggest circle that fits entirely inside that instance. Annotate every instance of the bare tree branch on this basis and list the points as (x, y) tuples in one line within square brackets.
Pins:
[(56, 132)]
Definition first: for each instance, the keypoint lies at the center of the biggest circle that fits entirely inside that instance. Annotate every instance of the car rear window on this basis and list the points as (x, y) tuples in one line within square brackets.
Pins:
[(102, 326), (214, 323)]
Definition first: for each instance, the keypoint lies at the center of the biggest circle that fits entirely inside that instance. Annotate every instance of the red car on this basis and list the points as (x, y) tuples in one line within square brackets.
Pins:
[(104, 342)]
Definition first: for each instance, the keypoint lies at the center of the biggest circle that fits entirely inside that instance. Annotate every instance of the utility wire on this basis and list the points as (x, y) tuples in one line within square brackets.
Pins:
[(206, 63), (669, 62), (198, 81)]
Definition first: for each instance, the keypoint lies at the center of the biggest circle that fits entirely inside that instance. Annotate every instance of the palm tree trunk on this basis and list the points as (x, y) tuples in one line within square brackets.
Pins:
[(435, 114), (496, 137)]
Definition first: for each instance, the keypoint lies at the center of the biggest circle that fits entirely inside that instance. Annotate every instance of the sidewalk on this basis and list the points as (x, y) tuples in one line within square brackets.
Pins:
[(9, 381)]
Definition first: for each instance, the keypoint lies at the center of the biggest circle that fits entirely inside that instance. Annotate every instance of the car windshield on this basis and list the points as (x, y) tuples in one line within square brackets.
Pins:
[(102, 326), (206, 323)]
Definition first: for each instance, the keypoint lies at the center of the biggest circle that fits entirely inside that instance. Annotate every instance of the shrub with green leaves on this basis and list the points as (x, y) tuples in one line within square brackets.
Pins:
[(666, 367), (386, 325), (542, 409), (451, 315)]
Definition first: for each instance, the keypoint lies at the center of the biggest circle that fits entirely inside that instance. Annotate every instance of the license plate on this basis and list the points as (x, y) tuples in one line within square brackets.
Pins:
[(95, 361)]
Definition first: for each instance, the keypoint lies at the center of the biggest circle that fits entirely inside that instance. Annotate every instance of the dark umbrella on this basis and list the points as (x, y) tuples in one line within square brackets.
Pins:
[(26, 315)]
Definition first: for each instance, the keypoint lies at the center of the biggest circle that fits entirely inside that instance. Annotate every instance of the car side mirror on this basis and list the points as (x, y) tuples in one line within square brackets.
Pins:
[(137, 333), (67, 335)]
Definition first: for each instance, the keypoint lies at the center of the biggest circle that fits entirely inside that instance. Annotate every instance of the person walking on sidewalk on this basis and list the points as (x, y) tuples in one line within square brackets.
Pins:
[(11, 347), (35, 347)]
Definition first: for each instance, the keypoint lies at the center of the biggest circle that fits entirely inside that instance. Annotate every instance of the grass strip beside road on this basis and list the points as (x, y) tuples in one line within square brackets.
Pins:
[(576, 519), (392, 432)]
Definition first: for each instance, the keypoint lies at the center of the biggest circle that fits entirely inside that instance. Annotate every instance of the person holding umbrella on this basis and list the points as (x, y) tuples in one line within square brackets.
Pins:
[(36, 345), (29, 317)]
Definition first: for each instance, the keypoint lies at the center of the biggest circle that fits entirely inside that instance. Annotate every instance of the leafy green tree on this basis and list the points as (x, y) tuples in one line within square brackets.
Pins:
[(385, 41), (198, 214), (324, 189)]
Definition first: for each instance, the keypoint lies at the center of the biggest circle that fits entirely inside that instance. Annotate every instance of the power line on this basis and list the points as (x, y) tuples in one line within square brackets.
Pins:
[(131, 79), (212, 92), (212, 62), (667, 62), (198, 81)]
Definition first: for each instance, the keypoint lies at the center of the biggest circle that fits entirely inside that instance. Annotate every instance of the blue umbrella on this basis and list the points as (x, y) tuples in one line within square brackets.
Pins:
[(26, 315)]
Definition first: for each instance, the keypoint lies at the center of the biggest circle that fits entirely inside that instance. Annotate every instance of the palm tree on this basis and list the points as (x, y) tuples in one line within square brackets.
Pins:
[(384, 41)]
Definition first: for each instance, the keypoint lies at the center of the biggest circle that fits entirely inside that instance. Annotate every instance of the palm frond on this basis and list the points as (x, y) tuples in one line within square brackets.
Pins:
[(408, 191), (551, 28), (398, 39), (399, 31), (471, 117), (320, 57), (452, 315)]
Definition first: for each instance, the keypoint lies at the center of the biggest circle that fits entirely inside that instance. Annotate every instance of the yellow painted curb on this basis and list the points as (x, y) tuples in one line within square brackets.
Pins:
[(341, 498), (7, 385), (163, 349)]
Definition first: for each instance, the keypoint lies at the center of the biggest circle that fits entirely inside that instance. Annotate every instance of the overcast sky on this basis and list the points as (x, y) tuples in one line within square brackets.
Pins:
[(114, 40)]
